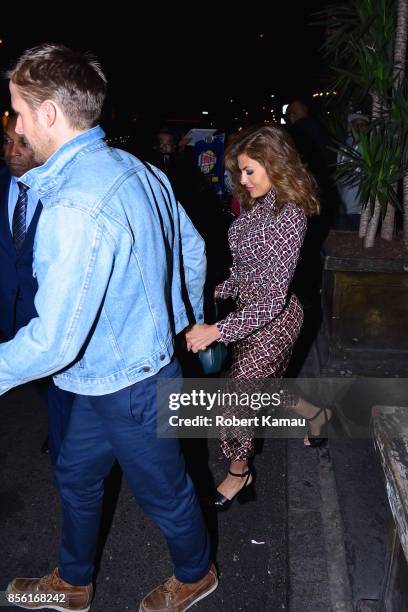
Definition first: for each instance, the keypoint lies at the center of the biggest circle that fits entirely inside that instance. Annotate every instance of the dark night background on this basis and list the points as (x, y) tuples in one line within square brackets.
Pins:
[(178, 59)]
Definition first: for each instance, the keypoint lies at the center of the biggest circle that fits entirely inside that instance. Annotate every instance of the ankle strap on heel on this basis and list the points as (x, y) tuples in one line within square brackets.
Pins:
[(316, 414), (240, 475)]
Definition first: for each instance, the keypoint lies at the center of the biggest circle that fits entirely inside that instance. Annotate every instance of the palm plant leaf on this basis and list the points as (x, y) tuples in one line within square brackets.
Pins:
[(374, 163), (360, 46), (360, 39)]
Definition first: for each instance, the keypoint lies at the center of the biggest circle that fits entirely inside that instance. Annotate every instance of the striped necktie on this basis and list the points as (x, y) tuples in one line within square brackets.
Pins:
[(19, 216)]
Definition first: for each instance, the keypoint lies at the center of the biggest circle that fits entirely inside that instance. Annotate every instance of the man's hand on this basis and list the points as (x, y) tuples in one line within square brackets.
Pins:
[(200, 336)]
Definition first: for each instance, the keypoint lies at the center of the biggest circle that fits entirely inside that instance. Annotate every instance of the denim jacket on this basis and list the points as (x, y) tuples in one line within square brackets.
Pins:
[(107, 256)]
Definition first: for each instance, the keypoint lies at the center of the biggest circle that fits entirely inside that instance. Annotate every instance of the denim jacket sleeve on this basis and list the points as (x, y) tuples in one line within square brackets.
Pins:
[(73, 261), (194, 263)]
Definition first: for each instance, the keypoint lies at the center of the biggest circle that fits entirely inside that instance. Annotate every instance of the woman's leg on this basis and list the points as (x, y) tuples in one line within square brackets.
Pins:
[(262, 357), (231, 485), (237, 445)]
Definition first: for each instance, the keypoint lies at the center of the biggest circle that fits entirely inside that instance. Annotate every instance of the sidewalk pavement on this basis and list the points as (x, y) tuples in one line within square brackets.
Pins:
[(313, 541), (338, 523)]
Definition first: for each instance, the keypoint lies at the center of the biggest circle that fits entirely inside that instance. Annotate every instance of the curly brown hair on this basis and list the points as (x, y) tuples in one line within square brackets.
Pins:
[(273, 148)]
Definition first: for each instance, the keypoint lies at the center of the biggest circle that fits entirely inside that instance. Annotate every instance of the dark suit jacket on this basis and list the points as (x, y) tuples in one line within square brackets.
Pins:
[(17, 283)]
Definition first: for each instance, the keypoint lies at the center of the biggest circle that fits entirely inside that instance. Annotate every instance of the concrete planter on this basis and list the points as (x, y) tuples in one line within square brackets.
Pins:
[(365, 303)]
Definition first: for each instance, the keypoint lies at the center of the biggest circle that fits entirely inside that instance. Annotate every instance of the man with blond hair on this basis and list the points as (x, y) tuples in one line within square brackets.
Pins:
[(112, 249)]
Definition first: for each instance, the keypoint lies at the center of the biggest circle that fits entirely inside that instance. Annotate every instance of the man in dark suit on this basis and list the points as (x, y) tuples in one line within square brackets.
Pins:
[(19, 213)]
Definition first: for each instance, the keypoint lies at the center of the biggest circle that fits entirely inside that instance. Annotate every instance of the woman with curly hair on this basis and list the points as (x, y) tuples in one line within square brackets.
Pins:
[(276, 193)]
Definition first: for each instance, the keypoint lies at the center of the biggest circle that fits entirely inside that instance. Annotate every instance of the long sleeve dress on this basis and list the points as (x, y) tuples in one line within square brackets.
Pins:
[(265, 246)]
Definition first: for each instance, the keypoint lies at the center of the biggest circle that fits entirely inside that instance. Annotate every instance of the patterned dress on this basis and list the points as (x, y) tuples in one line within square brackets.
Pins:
[(265, 246)]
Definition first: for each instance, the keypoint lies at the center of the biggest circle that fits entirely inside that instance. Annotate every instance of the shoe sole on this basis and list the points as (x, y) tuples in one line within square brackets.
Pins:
[(210, 590), (49, 607)]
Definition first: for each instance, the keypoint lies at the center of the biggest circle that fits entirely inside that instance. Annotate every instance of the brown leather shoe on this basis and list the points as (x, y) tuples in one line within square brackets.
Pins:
[(175, 596), (50, 591)]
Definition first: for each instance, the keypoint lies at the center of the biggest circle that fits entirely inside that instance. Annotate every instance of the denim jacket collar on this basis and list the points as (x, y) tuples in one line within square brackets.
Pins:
[(47, 177)]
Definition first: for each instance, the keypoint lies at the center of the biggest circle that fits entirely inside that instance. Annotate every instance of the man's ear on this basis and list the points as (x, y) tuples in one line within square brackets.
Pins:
[(48, 112)]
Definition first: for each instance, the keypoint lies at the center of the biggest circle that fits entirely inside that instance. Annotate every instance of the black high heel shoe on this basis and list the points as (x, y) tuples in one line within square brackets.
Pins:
[(244, 495), (333, 423), (321, 439)]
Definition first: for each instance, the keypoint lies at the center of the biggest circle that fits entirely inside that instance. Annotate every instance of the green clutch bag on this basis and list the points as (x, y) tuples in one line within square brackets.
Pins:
[(213, 358)]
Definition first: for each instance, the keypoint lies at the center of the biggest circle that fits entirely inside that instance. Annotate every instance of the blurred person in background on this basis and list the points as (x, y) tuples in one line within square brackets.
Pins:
[(348, 186)]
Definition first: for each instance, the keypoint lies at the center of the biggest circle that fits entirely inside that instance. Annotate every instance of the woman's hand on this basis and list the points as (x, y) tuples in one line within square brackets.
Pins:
[(200, 336)]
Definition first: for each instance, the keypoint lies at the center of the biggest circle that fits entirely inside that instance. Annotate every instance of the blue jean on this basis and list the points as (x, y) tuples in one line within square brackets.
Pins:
[(122, 425)]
